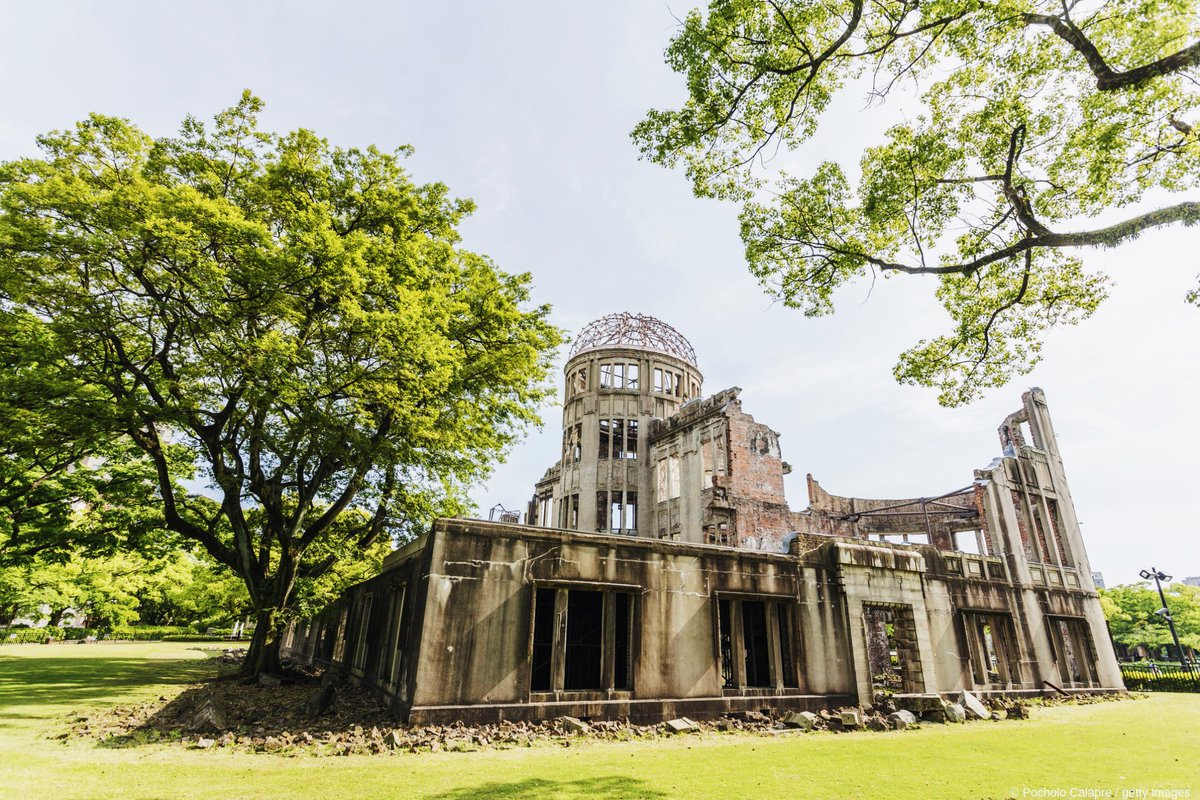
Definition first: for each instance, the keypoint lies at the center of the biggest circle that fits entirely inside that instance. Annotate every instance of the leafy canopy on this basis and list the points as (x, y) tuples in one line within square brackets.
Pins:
[(1130, 611), (1032, 118), (300, 319)]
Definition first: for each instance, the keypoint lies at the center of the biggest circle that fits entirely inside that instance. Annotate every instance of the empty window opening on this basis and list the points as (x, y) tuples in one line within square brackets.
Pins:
[(622, 651), (786, 658), (892, 648), (911, 537), (585, 640), (1073, 650), (400, 633), (755, 647), (592, 651), (364, 621), (724, 614), (569, 512), (542, 656), (605, 438), (578, 382), (973, 542), (631, 439), (616, 511), (754, 635)]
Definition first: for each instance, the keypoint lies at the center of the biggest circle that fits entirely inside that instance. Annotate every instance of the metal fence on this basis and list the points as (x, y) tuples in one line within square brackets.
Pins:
[(1142, 676)]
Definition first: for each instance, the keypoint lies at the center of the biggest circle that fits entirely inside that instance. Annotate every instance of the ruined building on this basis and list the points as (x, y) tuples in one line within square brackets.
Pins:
[(662, 573)]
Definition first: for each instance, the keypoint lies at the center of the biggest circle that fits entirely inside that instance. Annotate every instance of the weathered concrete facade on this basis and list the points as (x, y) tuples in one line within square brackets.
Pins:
[(665, 575)]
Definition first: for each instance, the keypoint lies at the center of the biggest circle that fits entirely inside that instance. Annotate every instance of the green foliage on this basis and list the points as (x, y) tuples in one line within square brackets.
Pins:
[(191, 637), (1022, 117), (293, 323), (1130, 613)]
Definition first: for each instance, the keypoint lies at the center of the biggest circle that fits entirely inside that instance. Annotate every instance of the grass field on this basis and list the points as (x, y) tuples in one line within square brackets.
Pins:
[(1101, 750)]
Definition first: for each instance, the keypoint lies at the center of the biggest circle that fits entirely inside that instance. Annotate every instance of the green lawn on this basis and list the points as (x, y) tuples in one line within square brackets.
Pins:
[(1115, 747)]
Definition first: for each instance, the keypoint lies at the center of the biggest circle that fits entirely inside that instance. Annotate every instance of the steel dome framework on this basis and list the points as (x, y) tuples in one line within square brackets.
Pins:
[(640, 331)]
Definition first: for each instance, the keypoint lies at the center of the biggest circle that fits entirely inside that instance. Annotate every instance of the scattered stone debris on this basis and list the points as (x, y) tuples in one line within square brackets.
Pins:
[(228, 714)]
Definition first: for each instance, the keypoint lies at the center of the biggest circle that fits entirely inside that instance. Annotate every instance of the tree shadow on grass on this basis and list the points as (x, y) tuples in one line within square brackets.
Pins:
[(58, 681), (603, 788)]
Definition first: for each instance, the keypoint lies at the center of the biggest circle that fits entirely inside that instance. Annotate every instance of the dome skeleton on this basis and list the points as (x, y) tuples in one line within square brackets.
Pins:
[(633, 330)]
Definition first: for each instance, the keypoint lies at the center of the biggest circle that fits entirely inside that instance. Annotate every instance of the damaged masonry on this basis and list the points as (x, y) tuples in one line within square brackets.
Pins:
[(662, 573)]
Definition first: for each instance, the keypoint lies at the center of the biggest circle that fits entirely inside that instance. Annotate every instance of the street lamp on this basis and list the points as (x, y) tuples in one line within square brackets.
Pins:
[(1163, 612)]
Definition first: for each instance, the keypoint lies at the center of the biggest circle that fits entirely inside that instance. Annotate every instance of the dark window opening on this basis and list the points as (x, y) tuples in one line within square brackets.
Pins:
[(593, 651), (618, 438), (725, 619), (631, 439), (543, 641), (754, 636), (622, 651), (786, 658), (585, 640), (605, 439)]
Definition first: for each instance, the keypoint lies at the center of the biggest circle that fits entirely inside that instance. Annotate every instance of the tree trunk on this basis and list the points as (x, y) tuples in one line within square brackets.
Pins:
[(56, 618), (263, 656)]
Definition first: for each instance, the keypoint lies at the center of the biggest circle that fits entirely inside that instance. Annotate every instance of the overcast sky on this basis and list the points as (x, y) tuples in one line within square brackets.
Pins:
[(527, 108)]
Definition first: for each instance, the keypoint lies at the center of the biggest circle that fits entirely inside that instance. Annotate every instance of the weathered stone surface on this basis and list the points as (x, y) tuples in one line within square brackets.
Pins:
[(269, 681), (573, 725), (726, 725), (204, 744), (681, 725), (902, 719), (804, 720), (851, 720), (918, 703), (934, 715), (973, 706), (955, 713)]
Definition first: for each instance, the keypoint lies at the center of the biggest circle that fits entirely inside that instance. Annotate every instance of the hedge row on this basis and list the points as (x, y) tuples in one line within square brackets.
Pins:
[(137, 633)]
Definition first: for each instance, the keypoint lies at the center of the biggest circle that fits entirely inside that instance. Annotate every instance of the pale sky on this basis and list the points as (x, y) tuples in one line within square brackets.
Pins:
[(526, 108)]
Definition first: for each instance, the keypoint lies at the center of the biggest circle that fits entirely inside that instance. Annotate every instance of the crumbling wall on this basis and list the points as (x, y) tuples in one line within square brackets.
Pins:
[(719, 476), (918, 520)]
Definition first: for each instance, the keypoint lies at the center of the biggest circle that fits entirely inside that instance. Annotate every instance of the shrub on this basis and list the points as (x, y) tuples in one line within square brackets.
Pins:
[(191, 637)]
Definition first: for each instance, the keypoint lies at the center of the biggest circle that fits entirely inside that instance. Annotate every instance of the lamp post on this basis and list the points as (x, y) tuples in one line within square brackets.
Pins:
[(1164, 612)]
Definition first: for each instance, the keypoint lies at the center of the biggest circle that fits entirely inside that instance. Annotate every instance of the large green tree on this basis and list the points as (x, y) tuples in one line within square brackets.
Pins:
[(1025, 121), (1132, 615), (301, 318)]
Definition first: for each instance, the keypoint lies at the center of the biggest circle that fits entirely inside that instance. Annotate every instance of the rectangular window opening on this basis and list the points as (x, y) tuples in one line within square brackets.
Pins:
[(543, 641), (725, 625), (622, 641), (754, 637), (585, 641)]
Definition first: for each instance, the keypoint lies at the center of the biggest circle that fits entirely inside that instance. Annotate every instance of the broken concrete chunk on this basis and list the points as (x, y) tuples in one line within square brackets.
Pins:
[(973, 706), (204, 744), (918, 703), (850, 720), (804, 720), (902, 719), (726, 725), (681, 725), (934, 715), (573, 725), (1018, 712), (955, 713)]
